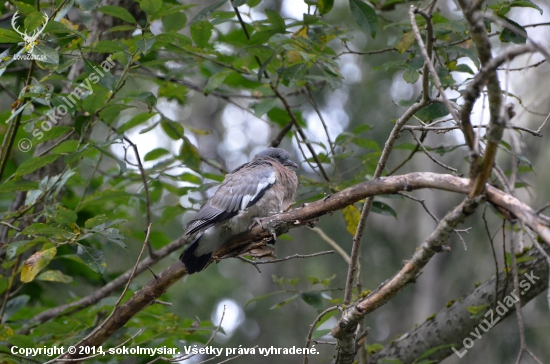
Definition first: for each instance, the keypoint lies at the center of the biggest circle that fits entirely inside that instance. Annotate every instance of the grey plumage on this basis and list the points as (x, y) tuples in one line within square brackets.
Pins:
[(259, 188)]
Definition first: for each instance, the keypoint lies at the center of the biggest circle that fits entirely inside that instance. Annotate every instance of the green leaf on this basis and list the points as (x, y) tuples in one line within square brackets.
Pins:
[(14, 305), (45, 54), (68, 146), (96, 220), (145, 43), (35, 263), (150, 6), (204, 13), (215, 81), (313, 299), (411, 76), (111, 112), (95, 101), (31, 165), (108, 46), (172, 129), (525, 4), (276, 20), (325, 6), (265, 106), (155, 154), (9, 36), (17, 247), (93, 258), (65, 216), (39, 228), (517, 36), (359, 129), (406, 42), (53, 133), (54, 276), (118, 12), (383, 209), (34, 21), (190, 155), (366, 143), (135, 121), (201, 33), (431, 112), (174, 22), (18, 185), (365, 16), (282, 303)]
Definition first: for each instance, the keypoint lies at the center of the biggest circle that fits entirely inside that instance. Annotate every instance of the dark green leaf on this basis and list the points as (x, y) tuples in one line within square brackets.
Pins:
[(9, 36), (45, 54), (411, 76), (93, 258), (517, 33), (190, 155), (96, 220), (265, 106), (204, 13), (172, 129), (174, 22), (282, 303), (325, 6), (18, 185), (201, 33), (65, 216), (276, 20), (313, 299), (432, 112), (155, 154), (365, 16), (150, 6), (118, 12), (95, 101), (31, 165), (135, 121), (111, 112), (383, 209)]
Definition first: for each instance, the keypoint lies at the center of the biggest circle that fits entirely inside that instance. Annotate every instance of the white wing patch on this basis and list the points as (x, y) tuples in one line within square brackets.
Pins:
[(263, 184)]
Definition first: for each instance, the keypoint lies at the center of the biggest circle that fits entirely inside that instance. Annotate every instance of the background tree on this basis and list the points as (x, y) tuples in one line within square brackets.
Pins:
[(405, 120)]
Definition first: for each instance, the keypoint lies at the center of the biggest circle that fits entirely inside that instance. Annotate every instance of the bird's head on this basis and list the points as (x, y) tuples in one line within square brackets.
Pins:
[(280, 155)]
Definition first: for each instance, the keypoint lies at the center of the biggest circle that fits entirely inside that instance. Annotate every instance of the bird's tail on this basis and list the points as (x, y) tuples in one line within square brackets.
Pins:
[(192, 262)]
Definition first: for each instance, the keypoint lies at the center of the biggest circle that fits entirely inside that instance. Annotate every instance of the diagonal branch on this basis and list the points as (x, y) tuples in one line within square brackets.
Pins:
[(344, 331), (452, 325), (283, 222)]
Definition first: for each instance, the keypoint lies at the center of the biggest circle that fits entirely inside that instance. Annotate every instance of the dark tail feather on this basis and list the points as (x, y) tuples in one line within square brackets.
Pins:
[(192, 262)]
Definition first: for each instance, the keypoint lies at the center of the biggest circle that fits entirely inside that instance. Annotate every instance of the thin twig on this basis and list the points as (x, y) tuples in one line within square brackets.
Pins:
[(332, 243), (312, 328), (454, 170)]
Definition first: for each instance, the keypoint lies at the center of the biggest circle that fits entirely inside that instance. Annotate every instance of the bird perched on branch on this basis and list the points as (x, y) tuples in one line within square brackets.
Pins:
[(260, 188)]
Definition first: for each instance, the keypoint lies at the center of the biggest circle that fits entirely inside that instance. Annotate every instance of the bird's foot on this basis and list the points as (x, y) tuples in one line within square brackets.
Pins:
[(257, 221)]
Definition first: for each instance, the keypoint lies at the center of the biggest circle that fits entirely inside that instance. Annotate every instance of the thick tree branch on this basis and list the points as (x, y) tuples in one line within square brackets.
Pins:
[(452, 325), (344, 331), (296, 217)]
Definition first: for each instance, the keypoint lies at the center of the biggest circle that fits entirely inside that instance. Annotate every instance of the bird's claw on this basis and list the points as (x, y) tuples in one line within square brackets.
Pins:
[(257, 221)]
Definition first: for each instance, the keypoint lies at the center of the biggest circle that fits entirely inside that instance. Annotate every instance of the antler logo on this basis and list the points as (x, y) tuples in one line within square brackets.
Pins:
[(29, 39)]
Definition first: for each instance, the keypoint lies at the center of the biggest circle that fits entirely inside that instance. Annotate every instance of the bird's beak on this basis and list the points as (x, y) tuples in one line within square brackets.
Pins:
[(290, 163)]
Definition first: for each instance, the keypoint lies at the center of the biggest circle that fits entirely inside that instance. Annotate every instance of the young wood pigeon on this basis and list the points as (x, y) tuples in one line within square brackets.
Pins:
[(257, 189)]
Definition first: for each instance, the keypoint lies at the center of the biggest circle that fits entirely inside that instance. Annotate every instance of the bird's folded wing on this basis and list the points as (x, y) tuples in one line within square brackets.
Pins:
[(241, 189)]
